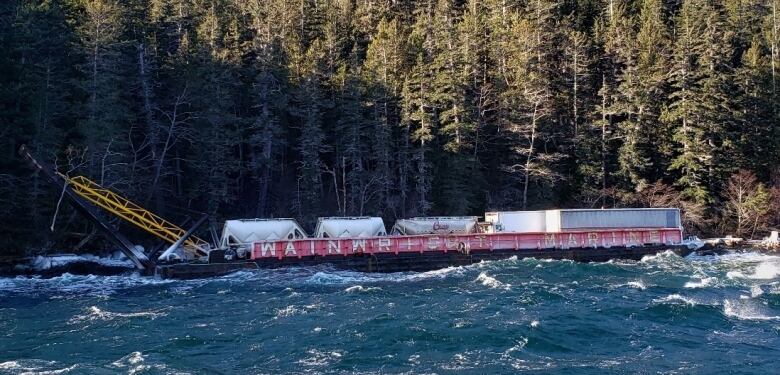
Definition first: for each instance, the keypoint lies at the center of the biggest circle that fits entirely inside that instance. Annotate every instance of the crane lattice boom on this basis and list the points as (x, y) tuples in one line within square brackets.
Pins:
[(135, 214)]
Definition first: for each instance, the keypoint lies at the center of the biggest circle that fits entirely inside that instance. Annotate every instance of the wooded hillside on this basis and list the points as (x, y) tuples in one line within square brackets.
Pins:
[(304, 108)]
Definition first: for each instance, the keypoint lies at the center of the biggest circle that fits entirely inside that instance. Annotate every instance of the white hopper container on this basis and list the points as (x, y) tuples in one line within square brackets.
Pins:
[(334, 227), (245, 231), (435, 225), (574, 219), (517, 221)]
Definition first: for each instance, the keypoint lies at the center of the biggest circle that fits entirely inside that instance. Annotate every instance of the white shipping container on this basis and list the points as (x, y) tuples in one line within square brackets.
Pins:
[(569, 219), (517, 221), (334, 227)]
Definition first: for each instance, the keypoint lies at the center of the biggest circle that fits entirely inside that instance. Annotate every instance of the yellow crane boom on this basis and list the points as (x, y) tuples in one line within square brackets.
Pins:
[(134, 214)]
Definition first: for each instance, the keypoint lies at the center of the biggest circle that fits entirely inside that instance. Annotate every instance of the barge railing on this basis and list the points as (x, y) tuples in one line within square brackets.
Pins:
[(466, 243)]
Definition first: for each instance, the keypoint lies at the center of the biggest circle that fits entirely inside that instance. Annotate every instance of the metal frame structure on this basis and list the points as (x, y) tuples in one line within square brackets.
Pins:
[(86, 195), (135, 214), (139, 259)]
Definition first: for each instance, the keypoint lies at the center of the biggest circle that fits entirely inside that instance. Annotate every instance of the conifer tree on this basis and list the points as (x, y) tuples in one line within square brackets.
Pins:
[(382, 76), (529, 100), (395, 108), (106, 115), (40, 115), (418, 106), (700, 109), (758, 132), (308, 113), (640, 159)]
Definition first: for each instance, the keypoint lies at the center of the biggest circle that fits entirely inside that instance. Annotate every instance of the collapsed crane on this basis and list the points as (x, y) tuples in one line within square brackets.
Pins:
[(86, 196)]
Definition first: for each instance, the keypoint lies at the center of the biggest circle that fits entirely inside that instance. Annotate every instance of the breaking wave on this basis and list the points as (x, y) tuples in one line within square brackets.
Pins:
[(702, 282), (35, 366), (41, 263), (95, 313), (361, 289), (745, 310), (490, 281), (676, 299), (77, 284)]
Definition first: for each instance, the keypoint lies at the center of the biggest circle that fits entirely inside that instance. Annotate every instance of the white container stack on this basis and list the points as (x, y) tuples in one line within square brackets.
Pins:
[(554, 221), (561, 220)]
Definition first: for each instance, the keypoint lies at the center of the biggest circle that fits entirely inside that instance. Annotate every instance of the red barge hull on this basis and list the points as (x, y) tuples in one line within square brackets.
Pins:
[(429, 252)]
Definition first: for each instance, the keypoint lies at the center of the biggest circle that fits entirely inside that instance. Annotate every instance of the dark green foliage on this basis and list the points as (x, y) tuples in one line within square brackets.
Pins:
[(393, 108)]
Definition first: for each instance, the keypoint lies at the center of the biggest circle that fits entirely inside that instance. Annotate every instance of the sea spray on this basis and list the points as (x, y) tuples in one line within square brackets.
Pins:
[(494, 317)]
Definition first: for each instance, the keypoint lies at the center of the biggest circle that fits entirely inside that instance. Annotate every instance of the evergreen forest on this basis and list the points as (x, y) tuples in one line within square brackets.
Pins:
[(391, 108)]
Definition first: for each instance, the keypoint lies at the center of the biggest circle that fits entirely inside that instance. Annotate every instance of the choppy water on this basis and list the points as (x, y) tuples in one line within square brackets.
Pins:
[(713, 314)]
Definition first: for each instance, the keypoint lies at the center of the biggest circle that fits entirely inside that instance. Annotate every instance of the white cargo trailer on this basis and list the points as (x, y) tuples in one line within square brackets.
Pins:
[(334, 227), (435, 225), (246, 231), (516, 221), (574, 219)]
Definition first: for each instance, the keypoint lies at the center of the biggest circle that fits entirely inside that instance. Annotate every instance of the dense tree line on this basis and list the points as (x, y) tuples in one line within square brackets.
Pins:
[(396, 108)]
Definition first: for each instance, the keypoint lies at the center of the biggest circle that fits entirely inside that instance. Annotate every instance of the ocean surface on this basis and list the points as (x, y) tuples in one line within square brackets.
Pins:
[(664, 314)]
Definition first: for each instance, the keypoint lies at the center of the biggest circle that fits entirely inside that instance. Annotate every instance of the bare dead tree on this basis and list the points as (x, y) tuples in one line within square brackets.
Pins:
[(176, 131), (748, 204), (658, 194), (75, 160), (332, 173)]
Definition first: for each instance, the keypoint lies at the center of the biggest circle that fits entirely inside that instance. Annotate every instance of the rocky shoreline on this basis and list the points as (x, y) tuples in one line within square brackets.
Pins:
[(769, 245)]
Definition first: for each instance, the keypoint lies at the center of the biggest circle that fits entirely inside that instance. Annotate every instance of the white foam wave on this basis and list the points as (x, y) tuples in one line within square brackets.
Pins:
[(735, 275), (295, 310), (490, 281), (639, 284), (458, 362), (676, 299), (664, 256), (36, 366), (352, 277), (95, 313), (703, 282), (136, 362), (133, 359), (460, 323), (318, 358), (766, 270), (77, 284), (289, 311), (745, 310), (41, 263), (735, 257), (360, 289), (338, 277)]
